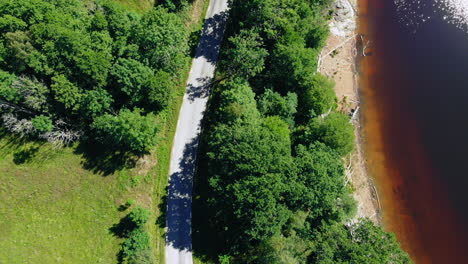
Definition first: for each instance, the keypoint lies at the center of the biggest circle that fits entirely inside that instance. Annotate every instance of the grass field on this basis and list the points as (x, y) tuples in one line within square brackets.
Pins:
[(137, 5), (60, 205), (53, 210)]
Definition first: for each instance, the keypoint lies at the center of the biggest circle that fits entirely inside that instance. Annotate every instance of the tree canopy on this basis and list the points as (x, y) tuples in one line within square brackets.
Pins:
[(272, 178), (78, 63)]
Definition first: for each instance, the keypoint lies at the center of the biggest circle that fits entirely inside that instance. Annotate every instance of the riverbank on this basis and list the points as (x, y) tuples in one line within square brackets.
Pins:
[(338, 62)]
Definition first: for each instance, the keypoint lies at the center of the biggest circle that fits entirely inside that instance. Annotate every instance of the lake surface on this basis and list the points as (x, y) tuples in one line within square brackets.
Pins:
[(414, 85)]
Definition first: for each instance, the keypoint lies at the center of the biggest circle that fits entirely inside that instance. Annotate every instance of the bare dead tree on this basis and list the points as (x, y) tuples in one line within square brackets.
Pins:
[(22, 127), (354, 116), (324, 115), (365, 45), (61, 138)]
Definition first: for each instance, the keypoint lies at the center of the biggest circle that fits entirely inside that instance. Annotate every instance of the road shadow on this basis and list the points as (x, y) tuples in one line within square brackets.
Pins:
[(211, 38), (206, 240), (199, 90), (179, 200)]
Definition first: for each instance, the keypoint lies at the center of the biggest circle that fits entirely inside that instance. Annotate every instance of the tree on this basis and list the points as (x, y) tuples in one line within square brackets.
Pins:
[(272, 103), (130, 77), (361, 243), (137, 241), (7, 92), (237, 102), (247, 167), (139, 216), (319, 95), (128, 130), (334, 130), (159, 90), (292, 65), (95, 102), (42, 123), (245, 56), (162, 40), (10, 23), (33, 93), (19, 49), (144, 256), (317, 183), (66, 92)]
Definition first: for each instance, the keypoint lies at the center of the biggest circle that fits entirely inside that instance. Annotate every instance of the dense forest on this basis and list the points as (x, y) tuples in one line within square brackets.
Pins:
[(89, 70), (271, 186)]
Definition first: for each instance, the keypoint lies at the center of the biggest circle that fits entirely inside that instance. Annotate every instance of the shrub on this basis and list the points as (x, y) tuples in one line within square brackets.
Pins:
[(335, 131), (128, 130), (42, 123), (137, 241), (139, 216)]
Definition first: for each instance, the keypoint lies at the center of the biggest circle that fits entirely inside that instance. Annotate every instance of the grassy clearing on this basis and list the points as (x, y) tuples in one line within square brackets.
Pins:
[(53, 210), (59, 205), (137, 5)]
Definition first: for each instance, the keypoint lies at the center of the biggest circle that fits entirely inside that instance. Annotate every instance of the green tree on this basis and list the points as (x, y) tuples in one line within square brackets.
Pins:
[(128, 130), (139, 216), (162, 40), (99, 21), (334, 130), (137, 241), (319, 95), (245, 55), (247, 164), (19, 49), (159, 90), (95, 102), (130, 77), (144, 256), (272, 103), (292, 65), (237, 102), (42, 123), (317, 183), (7, 92), (10, 23), (66, 92), (362, 243)]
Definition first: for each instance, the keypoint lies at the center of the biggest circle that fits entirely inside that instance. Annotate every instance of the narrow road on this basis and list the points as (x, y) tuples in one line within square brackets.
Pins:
[(187, 137)]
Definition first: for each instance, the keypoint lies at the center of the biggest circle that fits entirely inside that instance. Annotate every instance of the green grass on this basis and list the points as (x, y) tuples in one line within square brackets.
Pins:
[(137, 5), (53, 210)]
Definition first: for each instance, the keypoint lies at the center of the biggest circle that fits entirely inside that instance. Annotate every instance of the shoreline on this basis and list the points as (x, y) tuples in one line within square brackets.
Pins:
[(339, 62)]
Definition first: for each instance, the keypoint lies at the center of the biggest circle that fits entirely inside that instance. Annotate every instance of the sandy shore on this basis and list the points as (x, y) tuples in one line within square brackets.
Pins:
[(338, 62)]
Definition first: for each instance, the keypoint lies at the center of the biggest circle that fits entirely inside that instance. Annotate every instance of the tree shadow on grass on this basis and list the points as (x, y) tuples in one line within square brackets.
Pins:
[(25, 155), (121, 230), (24, 149), (161, 220), (104, 160)]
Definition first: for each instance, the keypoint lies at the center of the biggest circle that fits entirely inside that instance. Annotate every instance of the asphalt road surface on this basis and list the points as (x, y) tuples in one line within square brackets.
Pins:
[(187, 137)]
